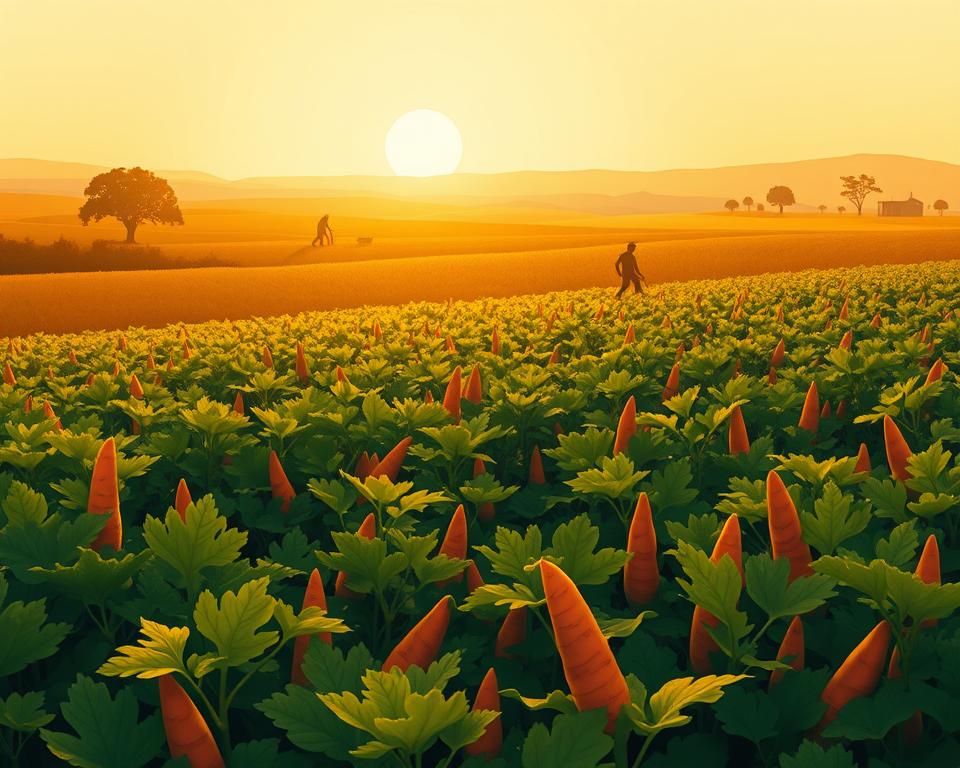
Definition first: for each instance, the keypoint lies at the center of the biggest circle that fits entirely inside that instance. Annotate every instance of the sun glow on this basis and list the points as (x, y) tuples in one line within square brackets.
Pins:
[(423, 143)]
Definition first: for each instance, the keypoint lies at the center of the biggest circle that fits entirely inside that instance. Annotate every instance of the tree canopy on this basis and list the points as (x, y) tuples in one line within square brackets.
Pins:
[(856, 189), (132, 196), (781, 196)]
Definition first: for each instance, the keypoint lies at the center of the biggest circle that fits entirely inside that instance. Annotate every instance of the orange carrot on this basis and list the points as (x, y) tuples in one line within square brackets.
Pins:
[(238, 404), (48, 413), (28, 404), (488, 698), (626, 427), (630, 336), (842, 409), (104, 497), (421, 644), (863, 459), (512, 632), (776, 359), (182, 500), (810, 416), (673, 382), (474, 389), (8, 377), (486, 511), (495, 342), (368, 530), (391, 464), (554, 356), (474, 579), (365, 463), (188, 734), (377, 330), (342, 376), (858, 675), (791, 648), (451, 347), (737, 439), (536, 475), (936, 371), (701, 644), (825, 411), (454, 544), (844, 310), (280, 487), (772, 377), (303, 370), (427, 396), (875, 322), (786, 537), (312, 597), (847, 341), (590, 668), (73, 358), (266, 357), (151, 363), (451, 398), (897, 450), (136, 390), (641, 575)]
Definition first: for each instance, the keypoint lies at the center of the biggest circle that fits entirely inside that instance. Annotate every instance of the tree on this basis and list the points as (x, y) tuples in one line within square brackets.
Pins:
[(856, 189), (940, 205), (132, 196), (781, 196), (748, 202), (731, 205), (760, 208), (841, 209), (822, 208)]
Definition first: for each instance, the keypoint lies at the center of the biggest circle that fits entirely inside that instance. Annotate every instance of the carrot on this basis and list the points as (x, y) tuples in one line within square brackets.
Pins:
[(810, 416), (342, 376), (488, 698), (183, 499), (554, 356), (772, 377), (512, 632), (737, 439), (136, 390), (454, 544), (186, 350), (188, 734), (858, 675), (875, 322), (666, 322), (390, 465), (641, 575), (630, 336), (863, 459), (936, 371), (786, 537), (626, 427), (847, 341), (377, 330), (673, 382), (420, 645), (486, 511), (701, 644), (104, 497), (151, 363), (367, 529), (303, 370), (842, 409), (238, 404), (589, 666), (170, 364), (451, 398), (780, 313), (28, 404), (451, 347), (791, 651), (474, 579), (599, 315), (116, 369), (48, 413), (844, 310), (365, 463), (8, 378), (925, 334), (536, 476), (280, 487), (495, 342), (427, 396), (266, 357), (474, 389), (779, 353), (897, 450), (825, 411), (313, 596), (73, 358)]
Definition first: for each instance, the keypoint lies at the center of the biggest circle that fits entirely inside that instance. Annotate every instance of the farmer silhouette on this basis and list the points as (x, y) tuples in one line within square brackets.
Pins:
[(628, 270), (323, 231)]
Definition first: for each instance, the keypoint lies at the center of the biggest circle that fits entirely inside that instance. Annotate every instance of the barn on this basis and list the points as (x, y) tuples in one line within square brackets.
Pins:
[(909, 207)]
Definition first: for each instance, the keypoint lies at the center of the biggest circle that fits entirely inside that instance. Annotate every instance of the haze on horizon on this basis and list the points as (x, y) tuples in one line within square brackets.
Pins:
[(312, 90)]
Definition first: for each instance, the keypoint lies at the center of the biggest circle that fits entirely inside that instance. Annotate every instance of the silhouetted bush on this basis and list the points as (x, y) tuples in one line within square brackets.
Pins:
[(23, 257)]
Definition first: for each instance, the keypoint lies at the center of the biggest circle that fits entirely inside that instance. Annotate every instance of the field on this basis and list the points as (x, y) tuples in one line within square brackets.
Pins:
[(422, 251), (716, 526)]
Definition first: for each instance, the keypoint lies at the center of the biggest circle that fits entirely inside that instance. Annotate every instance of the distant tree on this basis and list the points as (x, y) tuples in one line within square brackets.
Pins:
[(781, 196), (856, 189), (731, 205), (841, 209), (822, 208), (748, 202), (760, 208), (132, 196), (940, 205)]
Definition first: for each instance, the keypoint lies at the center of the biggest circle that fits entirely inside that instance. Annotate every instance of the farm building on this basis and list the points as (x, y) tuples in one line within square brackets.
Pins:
[(909, 207)]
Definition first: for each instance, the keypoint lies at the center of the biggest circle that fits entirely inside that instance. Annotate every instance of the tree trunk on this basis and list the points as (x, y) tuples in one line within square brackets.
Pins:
[(860, 209), (781, 208), (131, 230)]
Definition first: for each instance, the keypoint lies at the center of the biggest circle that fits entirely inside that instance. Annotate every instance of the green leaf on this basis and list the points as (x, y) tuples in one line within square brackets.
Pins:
[(310, 621), (748, 714), (665, 708), (25, 637), (622, 627), (233, 625), (199, 541), (616, 478), (573, 546), (558, 701), (159, 652), (514, 552), (835, 519), (701, 530), (573, 741), (365, 561), (769, 586), (812, 755), (746, 498), (108, 732), (900, 547), (92, 579), (24, 713)]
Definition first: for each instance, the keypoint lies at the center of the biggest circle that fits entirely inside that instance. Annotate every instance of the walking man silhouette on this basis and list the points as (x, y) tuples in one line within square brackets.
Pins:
[(323, 231), (628, 271)]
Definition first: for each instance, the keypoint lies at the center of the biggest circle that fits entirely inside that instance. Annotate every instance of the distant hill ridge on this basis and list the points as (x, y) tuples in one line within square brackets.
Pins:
[(601, 191)]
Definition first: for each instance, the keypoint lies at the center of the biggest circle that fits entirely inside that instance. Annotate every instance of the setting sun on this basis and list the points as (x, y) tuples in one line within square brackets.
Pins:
[(423, 143)]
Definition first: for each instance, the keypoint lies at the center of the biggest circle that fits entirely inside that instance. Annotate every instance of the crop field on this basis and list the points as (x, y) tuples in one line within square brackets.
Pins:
[(716, 526)]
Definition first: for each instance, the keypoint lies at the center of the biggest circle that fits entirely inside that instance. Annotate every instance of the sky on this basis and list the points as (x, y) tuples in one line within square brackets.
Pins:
[(310, 87)]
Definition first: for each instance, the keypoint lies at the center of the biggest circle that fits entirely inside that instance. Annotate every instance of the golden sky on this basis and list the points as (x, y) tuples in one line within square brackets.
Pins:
[(305, 87)]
